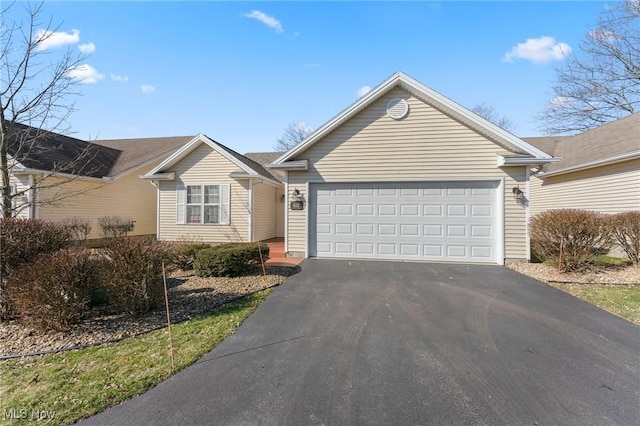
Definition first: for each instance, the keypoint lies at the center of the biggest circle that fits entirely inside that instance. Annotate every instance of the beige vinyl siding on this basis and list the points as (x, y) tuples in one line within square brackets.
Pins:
[(607, 189), (426, 145), (205, 166), (128, 196), (264, 212), (279, 213)]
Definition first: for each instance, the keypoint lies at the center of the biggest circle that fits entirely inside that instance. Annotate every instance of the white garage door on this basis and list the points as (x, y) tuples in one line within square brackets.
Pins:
[(440, 221)]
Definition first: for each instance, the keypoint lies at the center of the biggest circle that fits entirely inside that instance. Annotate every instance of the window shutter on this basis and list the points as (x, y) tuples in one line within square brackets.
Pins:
[(181, 198), (224, 204)]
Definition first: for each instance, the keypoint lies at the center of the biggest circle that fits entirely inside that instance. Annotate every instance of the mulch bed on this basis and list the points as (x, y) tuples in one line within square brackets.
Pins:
[(189, 296)]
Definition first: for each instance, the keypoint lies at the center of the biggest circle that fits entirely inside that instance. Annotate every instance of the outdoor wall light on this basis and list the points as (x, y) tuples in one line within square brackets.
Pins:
[(282, 198), (518, 195)]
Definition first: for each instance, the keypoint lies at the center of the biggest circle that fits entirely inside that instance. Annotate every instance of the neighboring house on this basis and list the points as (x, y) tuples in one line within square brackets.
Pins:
[(76, 178), (599, 170), (210, 193), (405, 173)]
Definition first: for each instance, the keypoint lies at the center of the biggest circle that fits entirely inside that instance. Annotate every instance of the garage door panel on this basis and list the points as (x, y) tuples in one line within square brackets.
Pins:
[(453, 221)]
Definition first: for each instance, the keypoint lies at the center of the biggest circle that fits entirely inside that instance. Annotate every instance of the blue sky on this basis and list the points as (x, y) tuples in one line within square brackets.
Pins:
[(240, 72)]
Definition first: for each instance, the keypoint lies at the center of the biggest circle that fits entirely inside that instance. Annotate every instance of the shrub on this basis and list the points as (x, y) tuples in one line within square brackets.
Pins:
[(115, 226), (580, 232), (185, 254), (625, 229), (229, 260), (21, 241), (135, 272), (79, 227), (52, 292)]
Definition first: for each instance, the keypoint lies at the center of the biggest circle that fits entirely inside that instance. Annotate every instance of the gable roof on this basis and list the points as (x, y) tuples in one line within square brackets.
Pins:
[(136, 152), (249, 166), (263, 157), (47, 151), (614, 141), (432, 98)]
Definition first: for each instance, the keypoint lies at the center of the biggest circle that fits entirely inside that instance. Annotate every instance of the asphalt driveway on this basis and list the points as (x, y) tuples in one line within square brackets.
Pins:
[(350, 342)]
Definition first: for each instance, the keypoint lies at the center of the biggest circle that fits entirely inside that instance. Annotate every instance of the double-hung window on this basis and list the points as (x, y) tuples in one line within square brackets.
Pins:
[(203, 204)]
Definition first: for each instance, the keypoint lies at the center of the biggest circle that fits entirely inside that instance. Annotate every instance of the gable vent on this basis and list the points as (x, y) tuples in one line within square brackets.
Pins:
[(397, 108)]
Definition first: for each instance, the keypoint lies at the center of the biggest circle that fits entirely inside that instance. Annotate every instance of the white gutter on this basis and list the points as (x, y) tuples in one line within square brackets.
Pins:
[(524, 161), (48, 173), (290, 165), (160, 176), (610, 160), (260, 178)]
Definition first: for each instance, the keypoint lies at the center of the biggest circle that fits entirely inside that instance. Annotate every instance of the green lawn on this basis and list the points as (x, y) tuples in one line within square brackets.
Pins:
[(621, 300), (77, 384)]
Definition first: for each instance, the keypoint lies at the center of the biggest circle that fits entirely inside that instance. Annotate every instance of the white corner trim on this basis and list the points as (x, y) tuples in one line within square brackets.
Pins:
[(286, 212), (307, 196), (250, 215), (501, 222)]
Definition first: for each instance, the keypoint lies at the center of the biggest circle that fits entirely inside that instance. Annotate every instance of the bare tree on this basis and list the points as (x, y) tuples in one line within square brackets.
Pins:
[(489, 113), (36, 85), (601, 81), (293, 135)]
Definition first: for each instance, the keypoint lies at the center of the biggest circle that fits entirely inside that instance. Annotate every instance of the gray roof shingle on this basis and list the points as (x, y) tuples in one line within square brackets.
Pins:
[(612, 139), (53, 152)]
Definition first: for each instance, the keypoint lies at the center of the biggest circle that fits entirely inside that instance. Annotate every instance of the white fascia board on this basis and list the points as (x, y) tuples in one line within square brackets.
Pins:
[(524, 161), (357, 106), (193, 144), (290, 165), (160, 176), (588, 165), (432, 96), (254, 177), (178, 155), (27, 171), (474, 118)]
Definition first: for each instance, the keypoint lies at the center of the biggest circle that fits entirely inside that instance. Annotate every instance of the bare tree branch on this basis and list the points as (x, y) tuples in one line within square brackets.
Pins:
[(293, 135), (489, 113), (35, 93), (600, 82)]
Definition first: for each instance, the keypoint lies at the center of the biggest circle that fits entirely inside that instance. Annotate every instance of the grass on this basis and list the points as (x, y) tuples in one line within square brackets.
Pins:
[(621, 300), (77, 384)]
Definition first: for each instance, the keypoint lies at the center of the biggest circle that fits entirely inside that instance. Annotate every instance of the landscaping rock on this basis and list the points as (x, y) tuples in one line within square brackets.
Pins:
[(189, 296)]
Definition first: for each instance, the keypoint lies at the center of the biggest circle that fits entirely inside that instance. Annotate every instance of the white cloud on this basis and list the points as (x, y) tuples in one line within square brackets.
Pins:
[(119, 78), (147, 88), (363, 91), (47, 39), (269, 21), (538, 50), (85, 73), (87, 48)]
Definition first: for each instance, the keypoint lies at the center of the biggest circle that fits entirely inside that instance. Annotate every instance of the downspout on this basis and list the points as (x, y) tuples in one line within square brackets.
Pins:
[(528, 212), (250, 210)]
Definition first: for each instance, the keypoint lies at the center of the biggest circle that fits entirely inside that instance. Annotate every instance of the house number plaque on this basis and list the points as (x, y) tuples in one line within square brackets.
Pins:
[(297, 205)]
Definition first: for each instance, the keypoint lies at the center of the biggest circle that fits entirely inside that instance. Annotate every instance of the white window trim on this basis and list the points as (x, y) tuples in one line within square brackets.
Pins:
[(223, 204)]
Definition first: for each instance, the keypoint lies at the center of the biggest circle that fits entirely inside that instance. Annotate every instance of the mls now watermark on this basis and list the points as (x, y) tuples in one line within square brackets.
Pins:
[(28, 414)]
